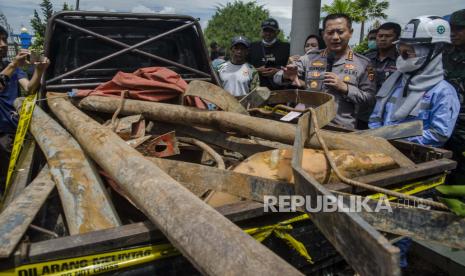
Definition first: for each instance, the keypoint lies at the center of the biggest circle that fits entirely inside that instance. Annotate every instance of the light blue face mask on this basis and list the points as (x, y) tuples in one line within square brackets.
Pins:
[(372, 44)]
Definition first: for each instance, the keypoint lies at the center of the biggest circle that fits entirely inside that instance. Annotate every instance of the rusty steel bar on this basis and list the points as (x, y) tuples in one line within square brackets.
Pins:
[(115, 54), (17, 216), (86, 204), (213, 244), (228, 121), (124, 45)]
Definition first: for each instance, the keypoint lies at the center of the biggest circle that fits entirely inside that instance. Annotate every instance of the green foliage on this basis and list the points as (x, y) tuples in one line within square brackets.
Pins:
[(39, 23), (67, 7), (359, 10), (236, 18), (343, 6), (362, 47)]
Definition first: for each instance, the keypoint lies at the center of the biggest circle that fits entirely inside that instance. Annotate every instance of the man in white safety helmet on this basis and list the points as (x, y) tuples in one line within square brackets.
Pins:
[(417, 90)]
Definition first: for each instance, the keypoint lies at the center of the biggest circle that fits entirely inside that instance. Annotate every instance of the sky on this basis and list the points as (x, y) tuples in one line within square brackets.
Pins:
[(19, 12)]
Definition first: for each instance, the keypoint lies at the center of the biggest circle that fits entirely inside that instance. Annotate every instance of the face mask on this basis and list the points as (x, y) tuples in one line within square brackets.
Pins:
[(269, 43), (372, 44), (409, 65)]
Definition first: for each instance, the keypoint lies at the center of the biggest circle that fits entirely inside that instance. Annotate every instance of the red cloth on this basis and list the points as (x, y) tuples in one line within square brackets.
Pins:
[(146, 84)]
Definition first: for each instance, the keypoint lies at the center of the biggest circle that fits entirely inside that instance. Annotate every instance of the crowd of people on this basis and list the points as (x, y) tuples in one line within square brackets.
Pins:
[(414, 72)]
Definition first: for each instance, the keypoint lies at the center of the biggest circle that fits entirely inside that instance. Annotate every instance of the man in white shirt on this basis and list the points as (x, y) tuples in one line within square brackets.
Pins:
[(236, 75)]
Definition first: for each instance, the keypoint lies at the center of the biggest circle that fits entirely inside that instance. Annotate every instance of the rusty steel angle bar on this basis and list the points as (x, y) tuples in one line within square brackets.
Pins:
[(86, 204), (17, 216), (365, 249)]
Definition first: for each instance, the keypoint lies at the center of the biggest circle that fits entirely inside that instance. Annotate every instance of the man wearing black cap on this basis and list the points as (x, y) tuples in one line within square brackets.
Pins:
[(236, 75), (268, 55)]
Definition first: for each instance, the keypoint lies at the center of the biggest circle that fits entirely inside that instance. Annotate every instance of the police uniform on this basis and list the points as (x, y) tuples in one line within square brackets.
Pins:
[(383, 68), (353, 69), (454, 67)]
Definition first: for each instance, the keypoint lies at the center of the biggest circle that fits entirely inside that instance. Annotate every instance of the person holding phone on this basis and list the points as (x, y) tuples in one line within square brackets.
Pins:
[(12, 78)]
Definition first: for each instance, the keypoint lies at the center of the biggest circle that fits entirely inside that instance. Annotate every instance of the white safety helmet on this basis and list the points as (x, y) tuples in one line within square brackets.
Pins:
[(425, 29)]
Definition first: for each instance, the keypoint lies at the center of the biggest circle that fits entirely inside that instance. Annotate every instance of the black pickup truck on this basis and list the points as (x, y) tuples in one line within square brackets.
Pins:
[(89, 48)]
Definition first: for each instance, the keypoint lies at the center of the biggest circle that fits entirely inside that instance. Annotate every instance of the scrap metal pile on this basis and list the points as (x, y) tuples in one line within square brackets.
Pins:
[(117, 161)]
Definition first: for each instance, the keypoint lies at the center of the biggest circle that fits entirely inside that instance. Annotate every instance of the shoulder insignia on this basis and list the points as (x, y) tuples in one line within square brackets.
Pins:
[(350, 55)]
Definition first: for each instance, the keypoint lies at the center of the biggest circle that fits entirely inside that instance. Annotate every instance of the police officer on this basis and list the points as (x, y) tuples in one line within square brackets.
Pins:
[(384, 56), (270, 54), (337, 70), (454, 66)]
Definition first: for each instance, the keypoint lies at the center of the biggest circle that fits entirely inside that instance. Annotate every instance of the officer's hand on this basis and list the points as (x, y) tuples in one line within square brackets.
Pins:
[(269, 72), (290, 72), (332, 80), (20, 59)]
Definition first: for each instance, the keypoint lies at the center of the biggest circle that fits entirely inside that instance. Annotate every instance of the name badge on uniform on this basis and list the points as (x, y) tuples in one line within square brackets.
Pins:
[(318, 63), (349, 66), (316, 74)]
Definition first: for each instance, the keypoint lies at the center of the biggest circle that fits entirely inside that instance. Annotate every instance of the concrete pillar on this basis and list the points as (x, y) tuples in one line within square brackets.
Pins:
[(305, 21)]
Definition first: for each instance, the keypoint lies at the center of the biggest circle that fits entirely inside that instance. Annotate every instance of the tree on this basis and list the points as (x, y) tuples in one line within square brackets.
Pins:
[(237, 18), (39, 23), (370, 9), (343, 6)]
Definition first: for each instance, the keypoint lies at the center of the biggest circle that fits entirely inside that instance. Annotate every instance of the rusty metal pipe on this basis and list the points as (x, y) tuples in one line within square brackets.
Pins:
[(210, 241), (86, 204), (228, 121)]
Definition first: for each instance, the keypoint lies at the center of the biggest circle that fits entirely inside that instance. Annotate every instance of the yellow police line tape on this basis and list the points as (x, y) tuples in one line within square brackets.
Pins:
[(116, 260), (24, 119), (414, 188)]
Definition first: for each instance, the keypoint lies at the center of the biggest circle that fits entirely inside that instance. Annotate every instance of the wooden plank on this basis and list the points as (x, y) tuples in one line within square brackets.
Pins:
[(397, 176), (17, 216), (192, 226), (344, 229), (86, 204)]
